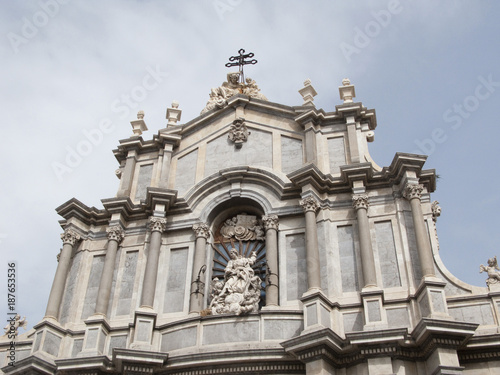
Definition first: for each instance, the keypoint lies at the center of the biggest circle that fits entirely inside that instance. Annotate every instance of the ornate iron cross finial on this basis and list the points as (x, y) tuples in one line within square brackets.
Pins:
[(240, 61)]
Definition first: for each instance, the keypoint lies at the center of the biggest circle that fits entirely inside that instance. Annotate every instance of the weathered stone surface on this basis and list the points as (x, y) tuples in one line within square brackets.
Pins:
[(292, 156), (117, 341), (348, 262), (336, 154), (92, 286), (77, 347), (412, 243), (353, 322), (71, 284), (186, 172), (387, 254), (179, 339), (176, 281), (231, 332), (282, 329), (398, 317), (143, 181), (127, 283), (51, 343), (296, 267), (481, 314)]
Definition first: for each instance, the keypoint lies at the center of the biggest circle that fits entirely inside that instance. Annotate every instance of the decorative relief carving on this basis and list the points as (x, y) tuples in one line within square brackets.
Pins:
[(360, 201), (309, 204), (492, 270), (238, 132), (239, 293), (201, 230), (243, 228), (115, 233), (157, 224), (413, 191), (270, 222), (436, 210), (70, 237), (219, 95)]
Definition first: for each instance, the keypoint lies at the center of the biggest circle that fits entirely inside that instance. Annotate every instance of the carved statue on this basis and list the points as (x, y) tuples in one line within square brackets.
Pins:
[(243, 228), (14, 323), (218, 96), (492, 270), (240, 292)]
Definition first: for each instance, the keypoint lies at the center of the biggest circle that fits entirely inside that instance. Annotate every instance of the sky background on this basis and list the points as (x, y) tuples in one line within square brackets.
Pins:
[(430, 69)]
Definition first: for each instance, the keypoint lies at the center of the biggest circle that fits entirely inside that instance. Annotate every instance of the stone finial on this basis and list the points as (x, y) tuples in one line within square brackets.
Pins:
[(308, 93), (173, 114), (138, 126), (347, 91)]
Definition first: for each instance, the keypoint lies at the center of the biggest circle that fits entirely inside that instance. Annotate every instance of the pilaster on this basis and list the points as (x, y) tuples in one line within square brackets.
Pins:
[(202, 232), (271, 224)]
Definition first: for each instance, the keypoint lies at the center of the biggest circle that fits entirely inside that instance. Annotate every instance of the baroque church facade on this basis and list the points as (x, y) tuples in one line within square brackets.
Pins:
[(260, 238)]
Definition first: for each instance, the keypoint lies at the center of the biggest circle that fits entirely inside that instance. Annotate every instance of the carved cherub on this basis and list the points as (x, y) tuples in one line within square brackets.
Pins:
[(12, 327), (492, 270)]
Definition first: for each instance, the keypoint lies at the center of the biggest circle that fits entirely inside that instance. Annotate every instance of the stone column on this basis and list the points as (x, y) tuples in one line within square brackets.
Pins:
[(310, 206), (202, 232), (115, 237), (69, 239), (272, 289), (127, 175), (157, 226), (413, 192), (360, 203)]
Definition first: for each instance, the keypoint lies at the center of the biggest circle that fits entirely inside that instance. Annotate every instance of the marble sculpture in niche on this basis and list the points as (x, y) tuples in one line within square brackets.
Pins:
[(218, 95)]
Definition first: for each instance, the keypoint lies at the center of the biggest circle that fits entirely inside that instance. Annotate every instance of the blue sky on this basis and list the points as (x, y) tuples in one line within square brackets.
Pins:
[(430, 69)]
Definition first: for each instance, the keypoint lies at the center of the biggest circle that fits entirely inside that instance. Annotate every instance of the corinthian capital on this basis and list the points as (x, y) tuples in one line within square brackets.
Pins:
[(201, 230), (115, 233), (270, 222), (70, 237), (157, 224), (360, 201), (413, 191), (309, 204)]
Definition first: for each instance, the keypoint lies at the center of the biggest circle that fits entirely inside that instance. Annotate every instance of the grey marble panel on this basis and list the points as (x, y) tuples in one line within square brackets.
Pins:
[(176, 281), (113, 282), (425, 309), (373, 311), (257, 151), (312, 315), (238, 331), (119, 341), (92, 337), (92, 286), (282, 329), (291, 154), (185, 175), (412, 243), (51, 343), (144, 330), (353, 322), (324, 249), (325, 316), (21, 354), (437, 299), (348, 263), (398, 317), (296, 268), (77, 347), (387, 254), (69, 289), (127, 283), (38, 340), (336, 154), (481, 314), (143, 181), (182, 338)]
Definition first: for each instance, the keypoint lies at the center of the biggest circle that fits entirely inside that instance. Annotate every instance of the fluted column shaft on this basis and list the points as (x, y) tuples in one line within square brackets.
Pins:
[(115, 236), (310, 206), (202, 232), (413, 192), (69, 238), (360, 203), (157, 226), (272, 286)]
